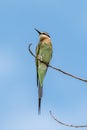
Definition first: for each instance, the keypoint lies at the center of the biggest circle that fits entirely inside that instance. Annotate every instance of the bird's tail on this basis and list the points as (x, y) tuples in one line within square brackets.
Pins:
[(40, 92)]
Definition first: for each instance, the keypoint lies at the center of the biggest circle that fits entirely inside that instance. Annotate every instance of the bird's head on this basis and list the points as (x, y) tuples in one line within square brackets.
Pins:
[(43, 35)]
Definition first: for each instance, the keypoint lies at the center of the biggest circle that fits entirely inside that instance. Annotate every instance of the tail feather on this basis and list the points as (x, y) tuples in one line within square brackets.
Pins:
[(40, 92), (39, 105)]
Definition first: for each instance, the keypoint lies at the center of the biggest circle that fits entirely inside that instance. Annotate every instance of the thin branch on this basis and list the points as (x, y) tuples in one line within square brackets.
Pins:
[(62, 123), (66, 73)]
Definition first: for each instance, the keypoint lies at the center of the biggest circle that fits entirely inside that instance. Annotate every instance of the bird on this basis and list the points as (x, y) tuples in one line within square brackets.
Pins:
[(43, 56)]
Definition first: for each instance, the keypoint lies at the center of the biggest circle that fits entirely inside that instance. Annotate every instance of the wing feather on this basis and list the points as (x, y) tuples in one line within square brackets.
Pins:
[(37, 52)]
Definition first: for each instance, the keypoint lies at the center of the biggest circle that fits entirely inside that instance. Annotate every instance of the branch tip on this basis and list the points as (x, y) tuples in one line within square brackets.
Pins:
[(62, 123)]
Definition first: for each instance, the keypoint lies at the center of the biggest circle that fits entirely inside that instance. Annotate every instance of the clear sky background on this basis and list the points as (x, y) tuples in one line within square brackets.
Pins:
[(66, 22)]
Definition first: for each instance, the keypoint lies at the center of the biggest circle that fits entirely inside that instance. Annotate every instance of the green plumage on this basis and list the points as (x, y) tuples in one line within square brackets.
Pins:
[(44, 53)]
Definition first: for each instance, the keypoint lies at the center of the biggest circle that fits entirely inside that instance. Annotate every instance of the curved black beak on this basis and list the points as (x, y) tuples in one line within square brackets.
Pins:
[(38, 31)]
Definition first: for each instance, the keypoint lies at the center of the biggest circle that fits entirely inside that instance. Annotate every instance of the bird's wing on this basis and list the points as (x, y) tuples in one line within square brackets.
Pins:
[(37, 52)]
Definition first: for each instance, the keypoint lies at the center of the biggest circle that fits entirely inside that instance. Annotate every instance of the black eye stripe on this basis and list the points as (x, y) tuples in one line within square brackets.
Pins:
[(46, 34)]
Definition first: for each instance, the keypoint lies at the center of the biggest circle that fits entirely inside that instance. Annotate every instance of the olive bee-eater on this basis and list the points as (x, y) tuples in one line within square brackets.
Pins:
[(43, 57)]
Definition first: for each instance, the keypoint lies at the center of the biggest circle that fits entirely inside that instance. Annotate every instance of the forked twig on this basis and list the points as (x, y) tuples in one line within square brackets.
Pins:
[(66, 73), (62, 123)]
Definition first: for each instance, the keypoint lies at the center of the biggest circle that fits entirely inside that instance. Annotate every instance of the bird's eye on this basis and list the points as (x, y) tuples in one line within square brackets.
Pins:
[(46, 34)]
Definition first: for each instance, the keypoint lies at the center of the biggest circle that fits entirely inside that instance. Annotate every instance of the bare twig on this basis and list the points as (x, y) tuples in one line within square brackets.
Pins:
[(62, 123), (66, 73)]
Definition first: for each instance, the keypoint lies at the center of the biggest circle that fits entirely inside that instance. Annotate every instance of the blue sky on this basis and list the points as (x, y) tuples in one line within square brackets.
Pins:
[(66, 22)]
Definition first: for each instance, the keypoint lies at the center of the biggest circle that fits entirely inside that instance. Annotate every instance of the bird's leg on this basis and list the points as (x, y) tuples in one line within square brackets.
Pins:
[(40, 57)]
